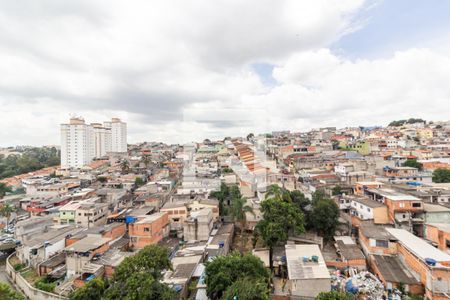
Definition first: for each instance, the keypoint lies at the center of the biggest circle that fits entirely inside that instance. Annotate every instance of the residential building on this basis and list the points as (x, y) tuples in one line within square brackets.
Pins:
[(198, 225), (148, 230), (118, 134), (307, 272)]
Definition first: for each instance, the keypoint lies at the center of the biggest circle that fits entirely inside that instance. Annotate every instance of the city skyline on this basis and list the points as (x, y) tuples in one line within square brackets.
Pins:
[(180, 72)]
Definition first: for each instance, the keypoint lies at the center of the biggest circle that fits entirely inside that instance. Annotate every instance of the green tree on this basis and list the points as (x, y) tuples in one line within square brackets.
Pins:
[(4, 189), (280, 218), (325, 217), (247, 289), (6, 210), (138, 277), (413, 163), (93, 290), (7, 293), (102, 179), (337, 190), (335, 295), (239, 209), (221, 195), (223, 271), (138, 182), (441, 176)]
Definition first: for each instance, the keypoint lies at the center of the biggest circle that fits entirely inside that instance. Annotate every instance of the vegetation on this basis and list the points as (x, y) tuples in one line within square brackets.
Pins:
[(324, 217), (125, 166), (45, 285), (31, 159), (4, 189), (102, 179), (5, 211), (337, 190), (236, 275), (335, 295), (247, 289), (239, 209), (18, 267), (92, 290), (441, 176), (146, 160), (225, 196), (137, 277), (413, 163), (7, 293), (403, 122), (138, 182), (281, 217)]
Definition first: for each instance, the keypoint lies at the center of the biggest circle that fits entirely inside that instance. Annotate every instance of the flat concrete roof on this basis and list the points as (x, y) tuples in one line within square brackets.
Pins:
[(298, 269)]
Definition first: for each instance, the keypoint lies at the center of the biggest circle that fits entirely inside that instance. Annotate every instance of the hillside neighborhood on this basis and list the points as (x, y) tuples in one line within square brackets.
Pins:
[(361, 212)]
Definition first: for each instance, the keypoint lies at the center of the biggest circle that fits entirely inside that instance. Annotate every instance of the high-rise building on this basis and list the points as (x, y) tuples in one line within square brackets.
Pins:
[(76, 149), (118, 134), (81, 142)]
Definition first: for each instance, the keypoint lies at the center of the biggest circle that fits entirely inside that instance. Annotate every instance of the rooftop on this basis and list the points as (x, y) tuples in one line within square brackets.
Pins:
[(298, 269), (393, 270), (393, 195), (87, 244), (418, 246)]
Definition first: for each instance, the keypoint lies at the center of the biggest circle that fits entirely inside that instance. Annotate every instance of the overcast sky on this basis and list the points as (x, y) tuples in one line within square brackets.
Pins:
[(179, 71)]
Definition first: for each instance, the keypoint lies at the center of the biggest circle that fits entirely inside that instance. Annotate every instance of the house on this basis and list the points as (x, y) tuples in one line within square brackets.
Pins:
[(212, 204), (428, 264), (404, 210), (362, 186), (394, 274), (198, 225), (375, 239), (148, 230), (439, 234), (307, 272), (83, 251), (350, 255), (435, 213), (363, 209), (91, 213), (177, 213)]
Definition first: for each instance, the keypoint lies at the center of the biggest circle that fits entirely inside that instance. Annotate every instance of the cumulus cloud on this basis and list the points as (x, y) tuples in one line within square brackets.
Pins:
[(180, 70)]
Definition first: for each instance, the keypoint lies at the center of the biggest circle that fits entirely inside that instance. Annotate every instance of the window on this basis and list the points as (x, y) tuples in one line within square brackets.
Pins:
[(402, 204), (146, 229), (368, 209), (381, 243), (417, 204)]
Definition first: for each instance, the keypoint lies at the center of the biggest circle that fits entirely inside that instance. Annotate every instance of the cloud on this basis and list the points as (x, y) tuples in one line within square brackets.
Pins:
[(180, 70)]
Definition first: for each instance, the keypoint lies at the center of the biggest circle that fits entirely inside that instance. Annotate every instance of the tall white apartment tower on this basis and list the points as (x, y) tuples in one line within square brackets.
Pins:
[(118, 134), (77, 147), (81, 142)]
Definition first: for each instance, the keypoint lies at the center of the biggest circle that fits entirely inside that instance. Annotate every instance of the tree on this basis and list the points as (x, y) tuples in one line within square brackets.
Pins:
[(6, 210), (138, 277), (7, 293), (337, 190), (441, 176), (93, 290), (280, 218), (221, 195), (325, 217), (138, 182), (102, 179), (334, 295), (413, 163), (239, 210), (224, 271), (125, 166), (146, 160), (247, 289), (4, 189)]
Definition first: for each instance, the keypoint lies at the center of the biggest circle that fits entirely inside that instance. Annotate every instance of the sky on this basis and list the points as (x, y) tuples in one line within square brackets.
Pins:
[(184, 70)]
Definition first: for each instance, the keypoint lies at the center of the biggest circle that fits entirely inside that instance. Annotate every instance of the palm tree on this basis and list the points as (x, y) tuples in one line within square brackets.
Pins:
[(125, 166), (239, 210), (276, 192), (146, 160), (6, 211)]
